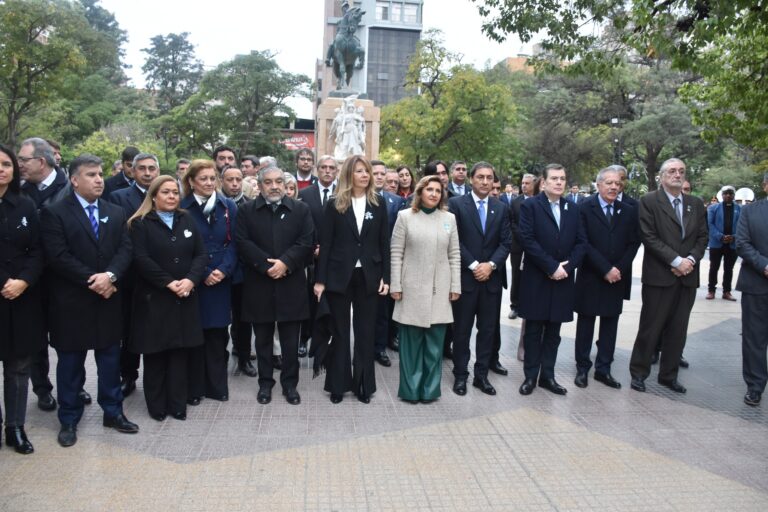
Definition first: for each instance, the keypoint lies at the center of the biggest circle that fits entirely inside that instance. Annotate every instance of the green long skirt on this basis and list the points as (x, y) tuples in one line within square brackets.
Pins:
[(421, 357)]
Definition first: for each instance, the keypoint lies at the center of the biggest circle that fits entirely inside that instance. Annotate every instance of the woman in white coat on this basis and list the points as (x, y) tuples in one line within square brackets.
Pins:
[(425, 279)]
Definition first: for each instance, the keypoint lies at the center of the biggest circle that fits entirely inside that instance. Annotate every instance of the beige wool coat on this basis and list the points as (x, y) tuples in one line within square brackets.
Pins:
[(426, 265)]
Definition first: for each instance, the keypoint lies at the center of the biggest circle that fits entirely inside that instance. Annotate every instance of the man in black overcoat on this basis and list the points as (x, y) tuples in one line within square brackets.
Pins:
[(88, 250), (275, 241), (611, 228)]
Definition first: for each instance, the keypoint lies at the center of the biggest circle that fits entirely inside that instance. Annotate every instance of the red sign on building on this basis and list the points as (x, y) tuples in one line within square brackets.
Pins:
[(295, 140)]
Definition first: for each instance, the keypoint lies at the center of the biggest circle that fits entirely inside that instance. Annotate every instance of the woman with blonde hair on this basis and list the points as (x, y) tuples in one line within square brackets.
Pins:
[(169, 257), (353, 267), (426, 278)]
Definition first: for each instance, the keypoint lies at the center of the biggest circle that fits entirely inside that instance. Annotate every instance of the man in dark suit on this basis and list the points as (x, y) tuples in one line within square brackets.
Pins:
[(612, 235), (124, 178), (459, 186), (44, 185), (516, 249), (145, 168), (88, 250), (752, 246), (673, 229), (316, 196), (575, 196), (274, 240), (554, 243), (484, 240)]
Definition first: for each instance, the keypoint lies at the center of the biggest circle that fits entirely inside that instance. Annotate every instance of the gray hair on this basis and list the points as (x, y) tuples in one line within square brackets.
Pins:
[(84, 160), (41, 149), (269, 161), (666, 163), (323, 158), (288, 178), (529, 175), (264, 171), (611, 168), (145, 156)]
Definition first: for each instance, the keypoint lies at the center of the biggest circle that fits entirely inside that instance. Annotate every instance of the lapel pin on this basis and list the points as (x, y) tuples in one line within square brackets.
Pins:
[(24, 221), (187, 233), (105, 220)]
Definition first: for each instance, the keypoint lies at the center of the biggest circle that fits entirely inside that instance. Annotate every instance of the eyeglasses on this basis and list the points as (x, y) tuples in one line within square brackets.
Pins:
[(306, 159), (25, 159)]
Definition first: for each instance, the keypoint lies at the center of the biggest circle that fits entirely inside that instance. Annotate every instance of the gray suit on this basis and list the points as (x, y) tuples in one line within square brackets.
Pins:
[(752, 246)]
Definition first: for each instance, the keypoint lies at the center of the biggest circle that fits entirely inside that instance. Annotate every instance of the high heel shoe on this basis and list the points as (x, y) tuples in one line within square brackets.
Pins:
[(16, 437)]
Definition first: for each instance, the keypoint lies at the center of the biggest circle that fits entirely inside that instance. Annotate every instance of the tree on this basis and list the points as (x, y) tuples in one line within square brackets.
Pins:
[(172, 70), (455, 113), (723, 43)]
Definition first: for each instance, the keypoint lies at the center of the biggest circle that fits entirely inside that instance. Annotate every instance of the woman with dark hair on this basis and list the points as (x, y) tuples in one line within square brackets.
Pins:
[(22, 325), (406, 182), (170, 258), (353, 267), (215, 216), (426, 278)]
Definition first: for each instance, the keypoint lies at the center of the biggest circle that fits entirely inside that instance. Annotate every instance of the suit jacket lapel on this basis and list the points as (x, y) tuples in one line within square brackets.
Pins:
[(367, 219), (469, 204), (597, 210), (667, 207), (544, 203), (82, 217), (688, 214), (351, 220)]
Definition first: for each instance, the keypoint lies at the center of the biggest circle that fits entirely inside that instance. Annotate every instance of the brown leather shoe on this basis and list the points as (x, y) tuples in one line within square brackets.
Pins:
[(710, 295), (728, 296)]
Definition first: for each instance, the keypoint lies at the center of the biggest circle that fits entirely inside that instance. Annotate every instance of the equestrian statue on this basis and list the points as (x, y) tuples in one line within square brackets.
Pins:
[(345, 53)]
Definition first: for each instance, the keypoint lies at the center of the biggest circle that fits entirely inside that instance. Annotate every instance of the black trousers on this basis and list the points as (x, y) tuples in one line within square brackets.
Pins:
[(15, 389), (39, 368), (340, 376), (129, 361), (664, 314), (754, 340), (606, 343), (541, 341), (208, 365), (716, 255), (289, 346), (484, 306), (515, 260), (166, 381), (385, 326), (308, 325), (239, 331)]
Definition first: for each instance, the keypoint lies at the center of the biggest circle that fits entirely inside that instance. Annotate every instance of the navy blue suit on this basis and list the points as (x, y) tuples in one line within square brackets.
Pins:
[(609, 244), (481, 300), (544, 302)]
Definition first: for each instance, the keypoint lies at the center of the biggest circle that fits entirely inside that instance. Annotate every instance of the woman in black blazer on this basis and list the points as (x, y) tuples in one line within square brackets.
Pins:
[(22, 329), (353, 267), (170, 257)]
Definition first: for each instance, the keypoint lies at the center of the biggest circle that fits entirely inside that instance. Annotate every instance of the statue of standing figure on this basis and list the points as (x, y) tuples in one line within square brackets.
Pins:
[(348, 130), (345, 54)]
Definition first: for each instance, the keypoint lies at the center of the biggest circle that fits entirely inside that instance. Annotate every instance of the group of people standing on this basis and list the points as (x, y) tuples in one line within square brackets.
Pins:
[(159, 266)]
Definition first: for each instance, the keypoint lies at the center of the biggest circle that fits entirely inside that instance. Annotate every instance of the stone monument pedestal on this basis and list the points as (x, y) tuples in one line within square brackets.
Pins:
[(326, 112)]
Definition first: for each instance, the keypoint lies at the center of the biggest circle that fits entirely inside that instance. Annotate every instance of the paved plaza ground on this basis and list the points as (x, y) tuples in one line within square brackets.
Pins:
[(594, 449)]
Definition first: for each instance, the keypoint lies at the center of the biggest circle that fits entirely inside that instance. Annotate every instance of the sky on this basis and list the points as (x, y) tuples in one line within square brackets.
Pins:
[(292, 29)]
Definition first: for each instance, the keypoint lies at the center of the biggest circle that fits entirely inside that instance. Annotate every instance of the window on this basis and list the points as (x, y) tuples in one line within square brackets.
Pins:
[(411, 13), (397, 11), (382, 11)]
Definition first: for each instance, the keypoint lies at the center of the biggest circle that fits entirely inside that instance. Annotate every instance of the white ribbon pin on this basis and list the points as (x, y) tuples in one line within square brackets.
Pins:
[(187, 233)]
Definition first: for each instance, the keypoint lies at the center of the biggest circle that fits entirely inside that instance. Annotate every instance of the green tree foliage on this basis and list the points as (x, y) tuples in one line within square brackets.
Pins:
[(454, 113), (241, 102), (172, 70), (723, 43), (109, 142)]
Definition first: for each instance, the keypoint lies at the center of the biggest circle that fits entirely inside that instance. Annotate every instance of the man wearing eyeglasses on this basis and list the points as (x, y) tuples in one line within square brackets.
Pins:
[(673, 229), (305, 161), (458, 185), (124, 178)]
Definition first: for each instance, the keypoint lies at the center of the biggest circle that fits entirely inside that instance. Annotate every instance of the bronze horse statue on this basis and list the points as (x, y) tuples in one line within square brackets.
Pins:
[(345, 53)]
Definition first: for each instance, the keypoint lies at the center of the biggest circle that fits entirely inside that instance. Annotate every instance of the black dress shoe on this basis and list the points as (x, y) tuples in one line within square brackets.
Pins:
[(484, 385), (46, 402), (128, 387), (16, 437), (553, 386), (245, 367), (158, 416), (181, 416), (674, 385), (460, 386), (394, 344), (67, 435), (335, 399), (277, 362), (383, 359), (85, 397), (364, 399), (428, 400), (194, 401), (303, 348), (582, 380), (752, 398), (655, 358), (264, 396), (292, 396), (120, 423), (498, 369), (637, 384), (527, 387), (608, 380), (684, 362)]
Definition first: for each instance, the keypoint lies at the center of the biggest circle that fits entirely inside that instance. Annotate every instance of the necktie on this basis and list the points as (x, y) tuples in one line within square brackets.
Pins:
[(679, 215), (325, 196), (92, 218), (608, 214), (481, 213), (556, 212)]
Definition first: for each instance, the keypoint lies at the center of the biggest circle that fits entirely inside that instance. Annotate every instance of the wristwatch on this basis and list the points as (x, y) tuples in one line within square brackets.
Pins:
[(112, 277), (492, 264)]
